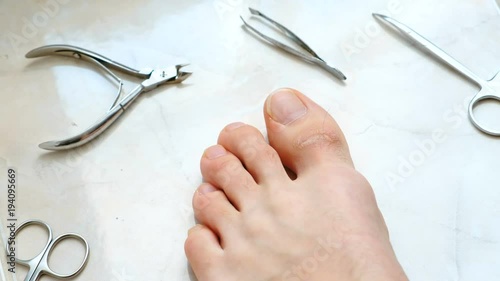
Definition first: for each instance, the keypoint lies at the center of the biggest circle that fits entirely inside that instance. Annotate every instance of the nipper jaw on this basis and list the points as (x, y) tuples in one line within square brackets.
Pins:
[(170, 75)]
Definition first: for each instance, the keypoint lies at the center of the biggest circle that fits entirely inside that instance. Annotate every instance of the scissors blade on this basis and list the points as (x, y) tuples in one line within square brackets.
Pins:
[(413, 37)]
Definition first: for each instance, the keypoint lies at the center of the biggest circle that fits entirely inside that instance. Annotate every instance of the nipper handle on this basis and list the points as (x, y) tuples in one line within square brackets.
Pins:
[(98, 128), (81, 53)]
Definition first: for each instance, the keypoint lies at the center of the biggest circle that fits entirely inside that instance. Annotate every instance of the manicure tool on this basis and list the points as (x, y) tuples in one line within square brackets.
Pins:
[(39, 265), (153, 78), (311, 58), (489, 90)]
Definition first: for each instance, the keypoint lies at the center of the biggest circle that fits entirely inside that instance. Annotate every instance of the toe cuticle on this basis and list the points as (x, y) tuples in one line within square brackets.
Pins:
[(285, 107), (215, 152), (206, 188), (234, 126)]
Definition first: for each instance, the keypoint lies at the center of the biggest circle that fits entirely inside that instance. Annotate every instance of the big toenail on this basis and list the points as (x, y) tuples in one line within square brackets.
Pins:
[(285, 107), (215, 151), (233, 126), (206, 188)]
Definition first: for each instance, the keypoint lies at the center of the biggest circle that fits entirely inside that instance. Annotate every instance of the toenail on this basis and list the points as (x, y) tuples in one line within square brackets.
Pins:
[(215, 151), (206, 188), (195, 228), (285, 107), (233, 126)]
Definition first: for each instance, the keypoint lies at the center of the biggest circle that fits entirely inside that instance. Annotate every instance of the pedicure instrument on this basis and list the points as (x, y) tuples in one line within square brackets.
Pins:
[(489, 89), (311, 57), (153, 79), (39, 265)]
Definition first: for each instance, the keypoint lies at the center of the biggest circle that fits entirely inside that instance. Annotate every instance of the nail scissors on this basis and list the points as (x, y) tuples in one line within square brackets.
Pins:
[(311, 58), (39, 265), (489, 89), (153, 78)]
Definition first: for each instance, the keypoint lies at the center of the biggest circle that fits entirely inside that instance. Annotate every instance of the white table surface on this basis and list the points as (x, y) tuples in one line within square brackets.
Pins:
[(129, 192)]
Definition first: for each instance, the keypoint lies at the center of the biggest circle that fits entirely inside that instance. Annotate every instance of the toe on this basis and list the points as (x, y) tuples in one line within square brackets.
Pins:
[(213, 209), (203, 251), (303, 133), (259, 158), (224, 170)]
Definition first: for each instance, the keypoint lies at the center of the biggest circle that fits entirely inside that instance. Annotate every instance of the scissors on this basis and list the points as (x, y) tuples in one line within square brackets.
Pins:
[(489, 89), (153, 78), (312, 57), (39, 265)]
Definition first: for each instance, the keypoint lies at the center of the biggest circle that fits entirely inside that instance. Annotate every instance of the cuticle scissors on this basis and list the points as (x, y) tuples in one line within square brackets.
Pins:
[(153, 79), (489, 89), (311, 58), (39, 265)]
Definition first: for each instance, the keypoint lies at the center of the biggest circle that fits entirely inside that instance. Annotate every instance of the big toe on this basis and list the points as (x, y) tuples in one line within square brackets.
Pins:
[(303, 133)]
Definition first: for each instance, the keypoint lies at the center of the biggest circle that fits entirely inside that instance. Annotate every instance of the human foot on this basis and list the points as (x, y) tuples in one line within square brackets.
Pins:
[(257, 224)]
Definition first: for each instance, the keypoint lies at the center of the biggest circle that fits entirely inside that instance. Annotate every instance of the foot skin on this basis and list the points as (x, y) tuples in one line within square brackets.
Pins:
[(258, 224)]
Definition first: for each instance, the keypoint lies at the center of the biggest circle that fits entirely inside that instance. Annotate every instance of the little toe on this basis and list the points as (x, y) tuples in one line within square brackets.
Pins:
[(213, 209), (303, 133), (224, 170), (259, 158), (203, 251)]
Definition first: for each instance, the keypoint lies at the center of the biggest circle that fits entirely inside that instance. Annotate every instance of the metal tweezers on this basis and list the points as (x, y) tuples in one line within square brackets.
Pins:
[(153, 78), (311, 58)]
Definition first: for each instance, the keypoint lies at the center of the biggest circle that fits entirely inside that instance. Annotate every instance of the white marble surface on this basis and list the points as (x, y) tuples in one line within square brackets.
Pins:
[(129, 193)]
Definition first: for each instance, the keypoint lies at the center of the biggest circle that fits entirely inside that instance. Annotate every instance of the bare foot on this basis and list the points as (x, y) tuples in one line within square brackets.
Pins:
[(257, 224)]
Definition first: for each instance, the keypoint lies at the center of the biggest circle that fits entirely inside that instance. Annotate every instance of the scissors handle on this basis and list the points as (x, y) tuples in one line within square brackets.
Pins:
[(480, 97), (32, 264), (25, 224), (413, 37), (44, 267), (39, 264)]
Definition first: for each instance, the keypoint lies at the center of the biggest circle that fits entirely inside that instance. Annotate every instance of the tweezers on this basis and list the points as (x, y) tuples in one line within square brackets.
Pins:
[(311, 58)]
